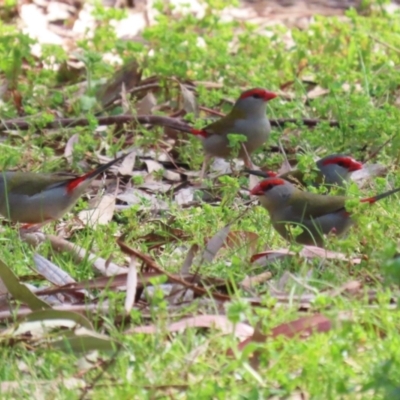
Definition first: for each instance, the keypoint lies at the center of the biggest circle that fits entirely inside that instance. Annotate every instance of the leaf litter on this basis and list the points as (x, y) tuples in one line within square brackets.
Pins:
[(38, 325), (41, 324), (178, 288)]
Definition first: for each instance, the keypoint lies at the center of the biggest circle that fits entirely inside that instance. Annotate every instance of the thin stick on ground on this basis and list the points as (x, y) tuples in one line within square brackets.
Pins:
[(96, 379), (154, 120), (378, 150)]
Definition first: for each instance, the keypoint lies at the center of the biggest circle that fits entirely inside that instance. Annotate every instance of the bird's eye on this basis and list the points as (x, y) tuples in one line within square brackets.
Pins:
[(343, 164), (256, 96)]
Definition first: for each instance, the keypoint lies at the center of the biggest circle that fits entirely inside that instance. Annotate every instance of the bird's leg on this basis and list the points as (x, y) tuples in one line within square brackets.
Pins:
[(206, 162), (232, 166), (246, 158)]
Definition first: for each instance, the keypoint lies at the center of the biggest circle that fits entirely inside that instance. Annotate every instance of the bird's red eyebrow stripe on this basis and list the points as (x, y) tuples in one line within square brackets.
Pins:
[(336, 160), (350, 163), (264, 94), (271, 182)]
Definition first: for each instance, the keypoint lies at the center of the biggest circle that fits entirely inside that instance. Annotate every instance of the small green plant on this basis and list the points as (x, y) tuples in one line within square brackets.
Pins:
[(355, 63)]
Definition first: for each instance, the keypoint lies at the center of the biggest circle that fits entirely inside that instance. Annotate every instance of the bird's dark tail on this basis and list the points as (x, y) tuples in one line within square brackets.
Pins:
[(75, 182), (263, 174), (374, 199)]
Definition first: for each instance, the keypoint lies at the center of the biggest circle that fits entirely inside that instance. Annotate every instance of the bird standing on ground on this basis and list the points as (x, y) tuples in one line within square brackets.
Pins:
[(332, 170), (317, 214), (247, 117), (37, 198)]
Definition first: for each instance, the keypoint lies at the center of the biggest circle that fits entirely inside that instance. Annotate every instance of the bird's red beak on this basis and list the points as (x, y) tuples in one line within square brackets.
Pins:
[(269, 95), (257, 190), (355, 166)]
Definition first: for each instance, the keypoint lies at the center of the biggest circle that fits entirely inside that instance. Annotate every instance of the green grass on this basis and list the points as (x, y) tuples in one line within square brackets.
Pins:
[(357, 60)]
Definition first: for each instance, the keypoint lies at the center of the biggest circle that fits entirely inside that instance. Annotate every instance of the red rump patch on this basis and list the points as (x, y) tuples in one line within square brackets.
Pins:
[(76, 182), (258, 94), (346, 162), (198, 132), (369, 200)]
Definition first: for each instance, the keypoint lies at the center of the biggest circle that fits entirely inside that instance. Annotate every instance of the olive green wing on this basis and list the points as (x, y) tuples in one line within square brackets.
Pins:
[(224, 125), (311, 205), (30, 183)]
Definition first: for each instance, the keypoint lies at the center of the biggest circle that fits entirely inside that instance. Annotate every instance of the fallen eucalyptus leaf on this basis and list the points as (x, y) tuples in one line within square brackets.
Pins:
[(19, 291)]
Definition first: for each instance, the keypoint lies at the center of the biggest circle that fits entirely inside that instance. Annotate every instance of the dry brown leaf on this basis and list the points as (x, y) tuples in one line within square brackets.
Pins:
[(51, 272), (302, 327), (133, 196), (238, 239), (250, 281), (79, 254), (185, 196), (351, 288), (172, 175), (34, 239), (101, 214), (146, 105), (285, 167), (129, 76), (306, 252), (69, 147), (126, 106), (189, 259), (156, 186), (215, 243), (127, 164), (153, 166), (367, 173), (81, 308), (220, 167), (177, 290), (221, 322), (18, 290), (189, 101), (131, 285), (316, 92), (253, 181)]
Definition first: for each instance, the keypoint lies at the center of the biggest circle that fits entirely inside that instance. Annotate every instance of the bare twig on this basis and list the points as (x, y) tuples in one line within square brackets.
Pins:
[(375, 153), (155, 120), (309, 122), (395, 49), (23, 124), (152, 264), (106, 365)]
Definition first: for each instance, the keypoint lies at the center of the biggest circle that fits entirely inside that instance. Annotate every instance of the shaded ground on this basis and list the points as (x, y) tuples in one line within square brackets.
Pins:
[(341, 4), (283, 9)]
